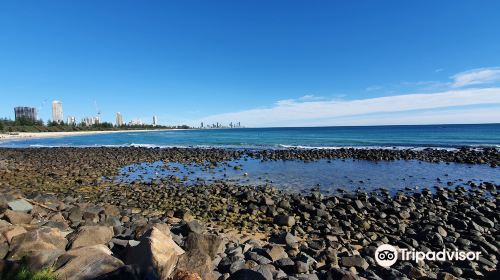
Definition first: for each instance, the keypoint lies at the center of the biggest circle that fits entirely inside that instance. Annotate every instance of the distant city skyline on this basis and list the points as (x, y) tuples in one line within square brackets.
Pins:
[(261, 63)]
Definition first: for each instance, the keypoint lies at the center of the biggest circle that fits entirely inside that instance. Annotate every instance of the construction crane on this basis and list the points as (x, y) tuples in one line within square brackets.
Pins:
[(41, 105), (98, 111)]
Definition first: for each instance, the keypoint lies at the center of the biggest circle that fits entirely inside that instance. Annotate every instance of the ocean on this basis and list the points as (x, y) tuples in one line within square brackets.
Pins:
[(298, 175), (418, 136)]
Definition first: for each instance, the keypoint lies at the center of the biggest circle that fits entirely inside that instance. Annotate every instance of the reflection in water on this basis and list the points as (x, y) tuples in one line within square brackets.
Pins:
[(328, 175)]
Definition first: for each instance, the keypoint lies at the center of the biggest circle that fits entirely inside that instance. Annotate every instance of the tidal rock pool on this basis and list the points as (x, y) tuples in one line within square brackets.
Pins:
[(327, 175)]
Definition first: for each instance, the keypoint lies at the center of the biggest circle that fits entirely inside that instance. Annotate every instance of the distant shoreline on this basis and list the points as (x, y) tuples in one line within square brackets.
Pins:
[(37, 135)]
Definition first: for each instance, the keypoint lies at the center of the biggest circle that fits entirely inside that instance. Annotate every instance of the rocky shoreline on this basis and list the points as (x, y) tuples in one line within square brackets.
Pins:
[(230, 231)]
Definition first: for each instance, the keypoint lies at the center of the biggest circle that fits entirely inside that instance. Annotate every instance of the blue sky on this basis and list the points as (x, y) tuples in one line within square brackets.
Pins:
[(264, 63)]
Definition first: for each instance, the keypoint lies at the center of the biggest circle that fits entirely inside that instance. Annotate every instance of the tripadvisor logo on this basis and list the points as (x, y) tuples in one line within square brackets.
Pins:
[(386, 255)]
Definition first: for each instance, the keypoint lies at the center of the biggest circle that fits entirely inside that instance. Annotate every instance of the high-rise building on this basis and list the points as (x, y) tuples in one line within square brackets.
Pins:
[(25, 113), (155, 121), (71, 120), (136, 122), (57, 111), (119, 119), (89, 121)]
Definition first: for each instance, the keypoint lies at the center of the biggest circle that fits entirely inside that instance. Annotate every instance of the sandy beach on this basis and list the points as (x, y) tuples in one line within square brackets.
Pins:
[(32, 135)]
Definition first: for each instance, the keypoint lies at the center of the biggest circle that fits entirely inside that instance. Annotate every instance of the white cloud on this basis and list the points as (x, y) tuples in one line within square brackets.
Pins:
[(476, 77), (311, 97), (331, 112)]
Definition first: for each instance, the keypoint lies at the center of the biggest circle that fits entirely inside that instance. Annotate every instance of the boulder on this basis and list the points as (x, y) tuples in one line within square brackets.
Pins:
[(184, 214), (111, 210), (37, 242), (86, 263), (14, 231), (184, 275), (156, 252), (276, 252), (42, 259), (197, 262), (17, 218), (354, 261), (75, 214), (139, 232), (90, 235), (129, 272), (291, 240), (209, 244), (4, 249), (246, 274), (284, 220), (195, 226)]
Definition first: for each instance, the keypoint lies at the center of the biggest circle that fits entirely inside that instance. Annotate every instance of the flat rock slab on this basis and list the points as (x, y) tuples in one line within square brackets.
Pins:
[(90, 235), (86, 263), (16, 218), (20, 205), (35, 241)]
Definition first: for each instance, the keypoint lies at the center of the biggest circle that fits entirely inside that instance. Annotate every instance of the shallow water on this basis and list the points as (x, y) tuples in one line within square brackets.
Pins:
[(328, 175)]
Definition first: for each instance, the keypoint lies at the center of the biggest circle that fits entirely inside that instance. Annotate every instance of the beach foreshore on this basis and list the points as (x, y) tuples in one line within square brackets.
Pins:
[(35, 135), (229, 230)]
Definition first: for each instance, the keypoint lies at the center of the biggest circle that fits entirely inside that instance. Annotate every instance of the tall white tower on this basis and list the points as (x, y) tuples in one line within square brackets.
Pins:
[(155, 121), (119, 119), (57, 111)]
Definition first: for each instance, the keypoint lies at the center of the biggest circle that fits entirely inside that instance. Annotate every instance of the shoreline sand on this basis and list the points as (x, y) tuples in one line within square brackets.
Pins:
[(37, 135)]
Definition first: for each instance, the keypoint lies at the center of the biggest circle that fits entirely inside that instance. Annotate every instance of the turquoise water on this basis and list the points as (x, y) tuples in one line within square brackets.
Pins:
[(445, 136)]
